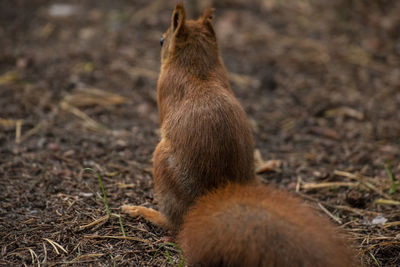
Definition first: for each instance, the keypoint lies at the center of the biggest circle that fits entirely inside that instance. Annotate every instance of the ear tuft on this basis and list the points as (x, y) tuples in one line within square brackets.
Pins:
[(206, 19), (208, 14), (178, 17)]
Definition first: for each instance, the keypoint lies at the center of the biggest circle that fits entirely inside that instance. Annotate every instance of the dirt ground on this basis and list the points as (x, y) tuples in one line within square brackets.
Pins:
[(319, 79)]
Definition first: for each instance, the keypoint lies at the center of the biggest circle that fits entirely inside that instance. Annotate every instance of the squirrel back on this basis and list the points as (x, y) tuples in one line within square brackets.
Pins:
[(206, 140), (255, 225)]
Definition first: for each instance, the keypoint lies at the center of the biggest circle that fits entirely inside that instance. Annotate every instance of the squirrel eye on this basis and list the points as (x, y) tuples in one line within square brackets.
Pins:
[(162, 41)]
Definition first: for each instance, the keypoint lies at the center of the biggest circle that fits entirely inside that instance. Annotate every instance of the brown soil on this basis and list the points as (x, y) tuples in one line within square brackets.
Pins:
[(319, 79)]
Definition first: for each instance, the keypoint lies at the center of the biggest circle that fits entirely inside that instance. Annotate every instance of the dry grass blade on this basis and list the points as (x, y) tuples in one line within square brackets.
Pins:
[(258, 160), (29, 133), (18, 126), (96, 222), (335, 218), (45, 253), (34, 257), (376, 190), (391, 224), (354, 210), (386, 201), (91, 123), (298, 183), (327, 184), (382, 244), (124, 185), (117, 237), (341, 207), (346, 174), (379, 238), (55, 245), (344, 111), (365, 181), (7, 122), (93, 96)]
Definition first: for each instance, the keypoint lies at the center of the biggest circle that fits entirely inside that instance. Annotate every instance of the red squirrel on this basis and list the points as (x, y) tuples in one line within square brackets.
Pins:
[(204, 176)]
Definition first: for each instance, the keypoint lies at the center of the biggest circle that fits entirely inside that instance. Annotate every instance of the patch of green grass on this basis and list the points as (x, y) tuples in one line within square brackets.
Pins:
[(105, 200), (170, 260), (394, 183)]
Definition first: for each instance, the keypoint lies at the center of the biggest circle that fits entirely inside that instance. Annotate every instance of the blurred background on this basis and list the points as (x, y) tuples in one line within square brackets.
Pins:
[(319, 80)]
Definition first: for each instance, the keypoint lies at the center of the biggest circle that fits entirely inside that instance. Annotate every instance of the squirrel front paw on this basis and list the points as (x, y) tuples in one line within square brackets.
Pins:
[(132, 210), (147, 213)]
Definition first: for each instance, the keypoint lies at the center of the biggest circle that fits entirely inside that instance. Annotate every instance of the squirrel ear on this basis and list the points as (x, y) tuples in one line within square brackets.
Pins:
[(206, 18), (178, 18), (208, 14)]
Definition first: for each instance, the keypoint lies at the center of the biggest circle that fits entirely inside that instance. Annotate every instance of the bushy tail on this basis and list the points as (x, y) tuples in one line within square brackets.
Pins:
[(254, 225)]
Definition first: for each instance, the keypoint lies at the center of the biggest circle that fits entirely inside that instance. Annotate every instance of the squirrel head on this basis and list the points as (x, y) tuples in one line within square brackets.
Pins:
[(189, 38)]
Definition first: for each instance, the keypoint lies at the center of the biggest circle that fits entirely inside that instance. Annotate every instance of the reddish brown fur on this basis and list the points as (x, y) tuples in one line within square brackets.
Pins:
[(206, 155), (205, 137), (250, 225)]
